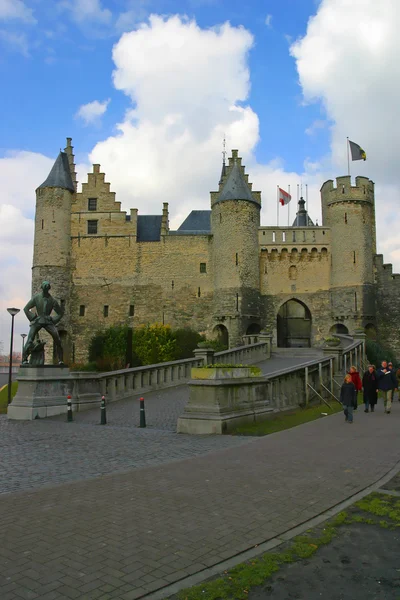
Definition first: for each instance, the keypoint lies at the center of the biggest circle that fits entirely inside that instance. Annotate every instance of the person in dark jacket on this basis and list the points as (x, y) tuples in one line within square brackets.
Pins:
[(348, 395), (356, 379), (370, 387), (387, 383)]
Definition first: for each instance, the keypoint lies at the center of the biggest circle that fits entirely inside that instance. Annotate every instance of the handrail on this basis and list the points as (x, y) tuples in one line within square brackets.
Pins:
[(323, 399), (331, 393)]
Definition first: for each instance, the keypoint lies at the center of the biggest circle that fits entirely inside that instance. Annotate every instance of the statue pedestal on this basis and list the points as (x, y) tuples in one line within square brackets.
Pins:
[(42, 392)]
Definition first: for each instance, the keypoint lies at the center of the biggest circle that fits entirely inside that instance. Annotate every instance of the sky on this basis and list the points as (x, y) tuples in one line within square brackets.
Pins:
[(150, 88)]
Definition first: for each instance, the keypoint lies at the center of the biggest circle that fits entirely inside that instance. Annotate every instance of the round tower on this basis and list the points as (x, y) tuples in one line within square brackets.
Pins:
[(235, 220), (350, 213), (52, 240)]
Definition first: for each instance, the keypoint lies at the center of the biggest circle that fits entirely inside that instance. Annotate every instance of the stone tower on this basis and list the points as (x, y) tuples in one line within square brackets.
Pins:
[(235, 219), (350, 213), (52, 241)]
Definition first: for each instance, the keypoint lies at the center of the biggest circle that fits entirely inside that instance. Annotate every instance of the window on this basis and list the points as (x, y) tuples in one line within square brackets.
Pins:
[(237, 259), (132, 310), (92, 227), (354, 257), (105, 310), (42, 223), (82, 310), (92, 203), (345, 217), (273, 236), (198, 293), (203, 267), (283, 236)]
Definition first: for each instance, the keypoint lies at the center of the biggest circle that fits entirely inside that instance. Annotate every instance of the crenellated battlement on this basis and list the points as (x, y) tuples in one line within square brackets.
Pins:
[(343, 191)]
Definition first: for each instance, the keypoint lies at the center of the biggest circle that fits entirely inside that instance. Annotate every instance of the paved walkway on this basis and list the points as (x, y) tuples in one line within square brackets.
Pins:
[(125, 535)]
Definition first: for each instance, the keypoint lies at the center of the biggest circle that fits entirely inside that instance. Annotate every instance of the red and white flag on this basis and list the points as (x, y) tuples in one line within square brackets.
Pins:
[(284, 197)]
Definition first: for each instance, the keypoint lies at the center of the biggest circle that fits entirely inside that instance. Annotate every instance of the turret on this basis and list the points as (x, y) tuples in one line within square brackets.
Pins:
[(302, 219), (235, 219), (350, 213), (52, 241)]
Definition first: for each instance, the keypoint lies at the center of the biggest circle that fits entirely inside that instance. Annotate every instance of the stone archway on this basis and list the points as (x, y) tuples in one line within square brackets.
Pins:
[(339, 328), (221, 334), (253, 329), (294, 325), (370, 331)]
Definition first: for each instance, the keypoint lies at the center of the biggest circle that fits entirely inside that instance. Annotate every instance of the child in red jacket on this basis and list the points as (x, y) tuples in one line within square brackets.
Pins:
[(356, 379)]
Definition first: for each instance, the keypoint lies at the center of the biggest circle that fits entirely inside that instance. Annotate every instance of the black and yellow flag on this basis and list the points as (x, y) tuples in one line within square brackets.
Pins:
[(357, 153)]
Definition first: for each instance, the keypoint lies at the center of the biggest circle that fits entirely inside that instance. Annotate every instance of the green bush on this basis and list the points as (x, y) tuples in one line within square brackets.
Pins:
[(107, 348), (186, 342), (154, 344), (376, 353), (216, 345)]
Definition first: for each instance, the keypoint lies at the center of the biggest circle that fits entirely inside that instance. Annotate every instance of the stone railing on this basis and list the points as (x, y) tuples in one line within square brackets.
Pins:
[(87, 388)]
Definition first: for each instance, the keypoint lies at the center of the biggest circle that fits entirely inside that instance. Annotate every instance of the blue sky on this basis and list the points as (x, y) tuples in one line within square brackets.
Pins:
[(65, 64), (148, 88)]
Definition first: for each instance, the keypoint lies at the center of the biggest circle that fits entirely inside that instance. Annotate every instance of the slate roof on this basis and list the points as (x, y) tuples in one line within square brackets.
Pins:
[(60, 174), (235, 187), (149, 228), (198, 221), (302, 219)]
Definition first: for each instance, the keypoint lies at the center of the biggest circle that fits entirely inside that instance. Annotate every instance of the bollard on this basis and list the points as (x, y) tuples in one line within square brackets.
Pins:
[(142, 414), (69, 412), (103, 417)]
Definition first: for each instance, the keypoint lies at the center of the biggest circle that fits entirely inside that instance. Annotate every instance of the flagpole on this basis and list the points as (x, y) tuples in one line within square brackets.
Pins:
[(288, 208), (277, 205), (348, 157), (307, 200)]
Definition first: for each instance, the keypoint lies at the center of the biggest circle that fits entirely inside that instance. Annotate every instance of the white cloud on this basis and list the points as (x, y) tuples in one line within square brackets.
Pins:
[(21, 173), (268, 20), (348, 61), (15, 42), (317, 125), (87, 11), (16, 10), (92, 112)]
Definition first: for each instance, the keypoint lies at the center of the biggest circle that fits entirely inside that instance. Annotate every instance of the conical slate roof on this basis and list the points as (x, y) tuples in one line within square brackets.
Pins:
[(60, 174), (223, 172), (235, 187), (302, 219)]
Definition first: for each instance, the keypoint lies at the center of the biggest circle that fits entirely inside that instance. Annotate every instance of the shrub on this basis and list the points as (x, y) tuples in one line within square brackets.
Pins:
[(154, 344), (216, 345), (376, 353), (108, 348), (186, 341)]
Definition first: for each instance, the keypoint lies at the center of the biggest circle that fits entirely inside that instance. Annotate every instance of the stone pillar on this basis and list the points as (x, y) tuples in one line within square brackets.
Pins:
[(205, 354), (337, 353), (265, 336)]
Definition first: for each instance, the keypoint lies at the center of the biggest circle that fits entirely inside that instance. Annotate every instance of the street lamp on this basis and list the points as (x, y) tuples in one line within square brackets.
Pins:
[(23, 335), (13, 312)]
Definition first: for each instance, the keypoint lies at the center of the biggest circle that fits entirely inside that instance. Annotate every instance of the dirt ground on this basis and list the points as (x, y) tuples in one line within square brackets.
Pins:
[(361, 563)]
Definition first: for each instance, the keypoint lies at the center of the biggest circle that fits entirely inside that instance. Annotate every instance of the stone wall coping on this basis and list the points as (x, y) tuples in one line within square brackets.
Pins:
[(230, 382)]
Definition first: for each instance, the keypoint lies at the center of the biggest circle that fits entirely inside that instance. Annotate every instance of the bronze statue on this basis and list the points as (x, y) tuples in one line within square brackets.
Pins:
[(44, 304), (37, 353)]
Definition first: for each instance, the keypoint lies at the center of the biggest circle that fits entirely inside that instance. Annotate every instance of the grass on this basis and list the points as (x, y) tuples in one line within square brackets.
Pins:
[(289, 419), (236, 583), (4, 396)]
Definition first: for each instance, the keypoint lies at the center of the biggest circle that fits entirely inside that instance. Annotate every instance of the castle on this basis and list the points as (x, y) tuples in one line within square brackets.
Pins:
[(220, 272)]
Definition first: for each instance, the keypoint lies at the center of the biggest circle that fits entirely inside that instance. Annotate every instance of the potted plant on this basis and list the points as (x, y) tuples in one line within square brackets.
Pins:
[(332, 341)]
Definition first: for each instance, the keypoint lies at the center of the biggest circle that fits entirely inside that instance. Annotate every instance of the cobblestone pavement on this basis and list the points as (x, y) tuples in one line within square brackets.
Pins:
[(125, 535), (46, 452)]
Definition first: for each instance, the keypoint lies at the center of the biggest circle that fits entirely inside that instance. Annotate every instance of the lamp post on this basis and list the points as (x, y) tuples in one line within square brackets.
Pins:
[(23, 335), (13, 312)]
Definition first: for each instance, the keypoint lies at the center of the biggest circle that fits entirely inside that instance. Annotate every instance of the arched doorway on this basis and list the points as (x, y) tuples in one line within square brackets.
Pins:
[(370, 331), (294, 325), (339, 328), (221, 334), (253, 329)]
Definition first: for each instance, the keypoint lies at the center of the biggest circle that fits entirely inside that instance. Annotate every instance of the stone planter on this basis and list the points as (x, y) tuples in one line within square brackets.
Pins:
[(332, 343), (210, 373), (222, 398)]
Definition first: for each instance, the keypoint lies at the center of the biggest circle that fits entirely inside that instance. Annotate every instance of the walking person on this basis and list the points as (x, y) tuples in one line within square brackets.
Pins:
[(355, 377), (370, 387), (348, 394), (387, 383)]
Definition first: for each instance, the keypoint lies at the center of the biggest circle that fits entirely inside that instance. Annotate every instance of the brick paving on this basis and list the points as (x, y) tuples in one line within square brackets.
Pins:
[(124, 535)]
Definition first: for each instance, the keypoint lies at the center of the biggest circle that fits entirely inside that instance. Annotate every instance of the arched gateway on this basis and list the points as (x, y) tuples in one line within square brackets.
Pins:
[(221, 334), (294, 325)]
